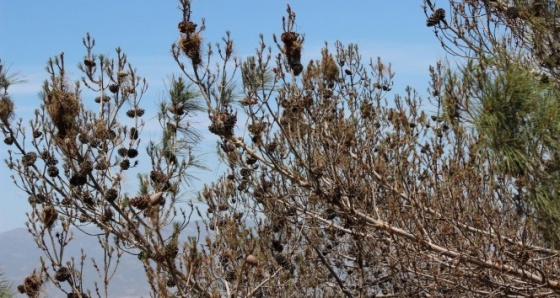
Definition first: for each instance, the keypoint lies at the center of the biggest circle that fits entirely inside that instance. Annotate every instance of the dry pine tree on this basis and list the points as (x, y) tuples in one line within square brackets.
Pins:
[(333, 188)]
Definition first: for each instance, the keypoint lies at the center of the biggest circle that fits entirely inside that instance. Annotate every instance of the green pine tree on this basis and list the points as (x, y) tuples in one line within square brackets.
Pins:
[(6, 289)]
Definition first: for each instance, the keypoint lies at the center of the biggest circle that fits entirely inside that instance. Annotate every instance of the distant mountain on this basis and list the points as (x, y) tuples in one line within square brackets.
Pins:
[(19, 255)]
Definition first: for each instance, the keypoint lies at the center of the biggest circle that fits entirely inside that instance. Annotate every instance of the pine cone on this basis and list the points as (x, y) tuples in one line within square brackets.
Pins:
[(88, 199), (31, 285), (86, 167), (38, 199), (51, 161), (107, 215), (133, 133), (157, 176), (52, 171), (187, 27), (289, 37), (122, 152), (105, 98), (29, 159), (114, 88), (78, 180), (223, 124), (140, 203), (135, 113), (436, 17), (431, 21), (9, 140), (83, 138), (171, 282), (512, 12), (125, 164), (132, 153), (245, 172), (297, 68), (111, 194), (178, 109), (62, 275), (171, 251), (271, 147), (101, 165), (230, 121), (251, 160), (277, 246), (89, 63)]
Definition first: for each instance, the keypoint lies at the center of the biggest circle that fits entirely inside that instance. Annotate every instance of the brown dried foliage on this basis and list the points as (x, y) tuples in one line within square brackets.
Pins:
[(6, 109), (331, 190), (63, 108), (49, 216), (31, 286)]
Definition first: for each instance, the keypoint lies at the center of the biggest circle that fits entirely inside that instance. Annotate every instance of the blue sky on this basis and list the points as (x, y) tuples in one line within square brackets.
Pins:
[(31, 31)]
